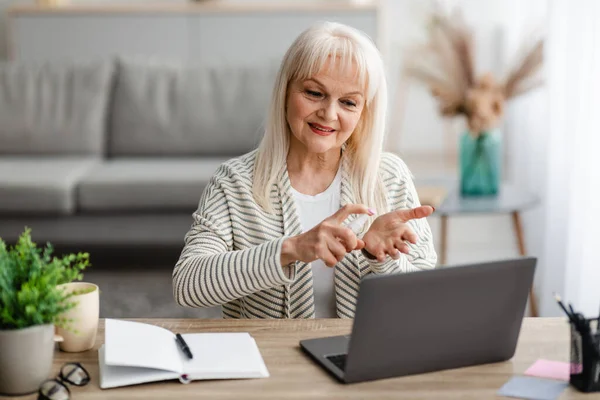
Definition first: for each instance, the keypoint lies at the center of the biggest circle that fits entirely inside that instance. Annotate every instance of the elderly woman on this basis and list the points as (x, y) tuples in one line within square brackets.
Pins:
[(270, 236)]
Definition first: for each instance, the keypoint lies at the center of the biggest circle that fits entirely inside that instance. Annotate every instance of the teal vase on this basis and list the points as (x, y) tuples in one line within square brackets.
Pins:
[(480, 163)]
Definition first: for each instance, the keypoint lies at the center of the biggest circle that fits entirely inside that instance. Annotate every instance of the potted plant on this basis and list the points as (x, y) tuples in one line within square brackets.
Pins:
[(31, 305), (446, 65)]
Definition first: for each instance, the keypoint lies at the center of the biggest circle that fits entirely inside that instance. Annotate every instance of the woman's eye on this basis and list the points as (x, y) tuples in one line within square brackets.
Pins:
[(313, 93), (349, 103)]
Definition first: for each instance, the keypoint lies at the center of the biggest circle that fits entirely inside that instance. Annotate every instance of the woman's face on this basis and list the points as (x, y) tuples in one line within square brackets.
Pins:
[(323, 111)]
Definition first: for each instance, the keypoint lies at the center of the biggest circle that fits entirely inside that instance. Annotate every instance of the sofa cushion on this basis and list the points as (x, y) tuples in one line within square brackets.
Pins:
[(188, 110), (146, 184), (54, 108), (40, 185)]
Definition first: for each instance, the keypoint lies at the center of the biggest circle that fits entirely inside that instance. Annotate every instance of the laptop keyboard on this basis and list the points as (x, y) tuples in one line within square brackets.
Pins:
[(339, 360)]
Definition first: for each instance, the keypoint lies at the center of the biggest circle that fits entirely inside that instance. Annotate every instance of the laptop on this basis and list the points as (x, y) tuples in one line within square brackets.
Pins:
[(431, 320)]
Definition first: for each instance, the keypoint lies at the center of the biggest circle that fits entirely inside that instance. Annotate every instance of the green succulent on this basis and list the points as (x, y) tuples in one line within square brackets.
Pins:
[(29, 279)]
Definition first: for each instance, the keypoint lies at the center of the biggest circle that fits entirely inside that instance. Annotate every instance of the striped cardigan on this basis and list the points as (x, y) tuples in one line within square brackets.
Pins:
[(232, 251)]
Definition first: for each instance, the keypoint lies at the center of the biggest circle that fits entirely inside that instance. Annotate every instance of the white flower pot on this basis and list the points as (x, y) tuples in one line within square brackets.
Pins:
[(26, 357)]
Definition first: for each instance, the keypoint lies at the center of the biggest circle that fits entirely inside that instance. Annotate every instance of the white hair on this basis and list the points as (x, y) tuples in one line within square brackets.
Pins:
[(304, 59)]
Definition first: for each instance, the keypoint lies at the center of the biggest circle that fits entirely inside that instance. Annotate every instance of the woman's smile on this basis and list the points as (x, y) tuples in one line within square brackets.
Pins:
[(320, 129)]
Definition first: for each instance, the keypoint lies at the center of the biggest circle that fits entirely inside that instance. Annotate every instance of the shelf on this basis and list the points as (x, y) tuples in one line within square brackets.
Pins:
[(194, 7)]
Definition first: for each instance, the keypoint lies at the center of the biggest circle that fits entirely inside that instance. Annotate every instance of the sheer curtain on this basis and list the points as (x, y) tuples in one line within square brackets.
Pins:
[(554, 149), (575, 130)]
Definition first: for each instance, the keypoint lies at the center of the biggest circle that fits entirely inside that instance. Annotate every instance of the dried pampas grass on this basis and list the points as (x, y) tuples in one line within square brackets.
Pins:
[(445, 64), (525, 74)]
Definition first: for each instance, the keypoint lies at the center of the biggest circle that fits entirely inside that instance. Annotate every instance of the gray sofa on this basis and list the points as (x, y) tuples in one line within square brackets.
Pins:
[(117, 152)]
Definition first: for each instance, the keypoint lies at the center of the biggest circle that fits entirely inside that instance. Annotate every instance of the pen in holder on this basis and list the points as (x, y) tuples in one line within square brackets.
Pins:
[(585, 357)]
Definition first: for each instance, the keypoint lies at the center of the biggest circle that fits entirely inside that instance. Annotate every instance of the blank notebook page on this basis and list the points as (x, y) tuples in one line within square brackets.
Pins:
[(223, 355), (114, 376), (136, 344)]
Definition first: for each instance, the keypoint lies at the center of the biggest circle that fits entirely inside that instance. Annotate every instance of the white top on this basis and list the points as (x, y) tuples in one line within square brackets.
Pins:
[(312, 210)]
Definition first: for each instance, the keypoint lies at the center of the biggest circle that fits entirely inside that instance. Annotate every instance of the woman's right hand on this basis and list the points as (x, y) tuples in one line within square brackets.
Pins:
[(328, 241)]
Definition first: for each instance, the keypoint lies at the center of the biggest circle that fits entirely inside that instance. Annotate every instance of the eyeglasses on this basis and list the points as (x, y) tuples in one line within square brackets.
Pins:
[(56, 389)]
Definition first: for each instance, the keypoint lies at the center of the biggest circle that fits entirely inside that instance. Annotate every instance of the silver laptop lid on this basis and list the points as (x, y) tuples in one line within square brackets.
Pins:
[(444, 318)]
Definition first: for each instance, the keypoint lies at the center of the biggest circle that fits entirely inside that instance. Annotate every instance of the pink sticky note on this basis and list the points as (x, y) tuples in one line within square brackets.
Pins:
[(549, 369)]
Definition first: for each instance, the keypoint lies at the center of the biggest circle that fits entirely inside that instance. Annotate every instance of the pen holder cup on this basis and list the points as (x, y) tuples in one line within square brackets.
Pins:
[(585, 359)]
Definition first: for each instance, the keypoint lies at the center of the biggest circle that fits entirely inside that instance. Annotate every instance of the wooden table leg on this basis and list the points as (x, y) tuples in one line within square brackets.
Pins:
[(533, 306), (444, 240)]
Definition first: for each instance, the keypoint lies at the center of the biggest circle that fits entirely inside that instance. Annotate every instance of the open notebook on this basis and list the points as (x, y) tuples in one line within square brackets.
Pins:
[(136, 353)]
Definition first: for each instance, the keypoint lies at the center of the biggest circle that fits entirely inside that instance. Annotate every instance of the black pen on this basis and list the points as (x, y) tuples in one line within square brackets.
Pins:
[(571, 316), (579, 325), (598, 323), (183, 345)]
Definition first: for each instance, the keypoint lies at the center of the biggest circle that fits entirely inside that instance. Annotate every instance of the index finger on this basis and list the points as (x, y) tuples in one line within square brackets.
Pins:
[(415, 213), (344, 212)]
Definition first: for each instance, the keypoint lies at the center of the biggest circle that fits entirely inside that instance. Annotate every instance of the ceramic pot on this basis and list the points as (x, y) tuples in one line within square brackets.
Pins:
[(26, 357)]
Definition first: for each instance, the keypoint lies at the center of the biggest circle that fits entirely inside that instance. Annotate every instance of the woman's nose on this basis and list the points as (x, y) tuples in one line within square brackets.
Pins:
[(328, 111)]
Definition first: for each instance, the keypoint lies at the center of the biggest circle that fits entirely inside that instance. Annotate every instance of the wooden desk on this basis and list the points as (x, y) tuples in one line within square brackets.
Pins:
[(294, 376)]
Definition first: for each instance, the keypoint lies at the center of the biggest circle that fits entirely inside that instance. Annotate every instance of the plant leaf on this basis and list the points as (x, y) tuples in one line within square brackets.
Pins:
[(29, 279)]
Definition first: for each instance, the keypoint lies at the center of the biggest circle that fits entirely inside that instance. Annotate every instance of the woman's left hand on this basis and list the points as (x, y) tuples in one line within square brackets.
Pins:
[(389, 232)]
